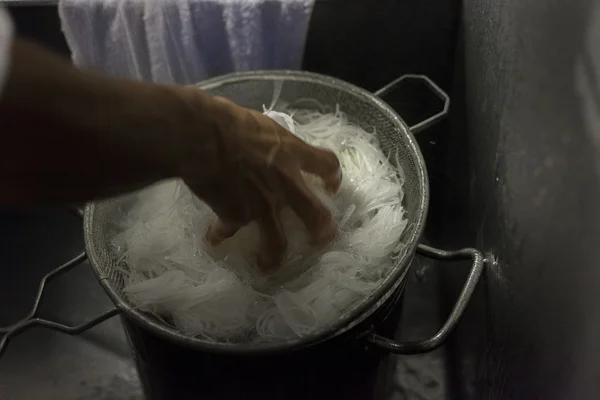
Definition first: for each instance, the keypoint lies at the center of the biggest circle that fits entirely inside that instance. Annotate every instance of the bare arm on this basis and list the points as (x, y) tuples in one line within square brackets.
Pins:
[(68, 135)]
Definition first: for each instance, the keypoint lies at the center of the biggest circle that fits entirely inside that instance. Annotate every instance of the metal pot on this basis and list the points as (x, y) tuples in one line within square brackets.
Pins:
[(359, 324)]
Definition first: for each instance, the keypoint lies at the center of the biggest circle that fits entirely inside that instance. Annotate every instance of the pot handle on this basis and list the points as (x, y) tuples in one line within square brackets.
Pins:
[(438, 91), (427, 345)]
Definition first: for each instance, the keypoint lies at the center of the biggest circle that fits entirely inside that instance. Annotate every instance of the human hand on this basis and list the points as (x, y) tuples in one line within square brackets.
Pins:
[(256, 171)]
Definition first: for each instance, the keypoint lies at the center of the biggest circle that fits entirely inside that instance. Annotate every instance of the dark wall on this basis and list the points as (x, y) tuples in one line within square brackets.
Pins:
[(40, 23), (372, 42), (532, 96)]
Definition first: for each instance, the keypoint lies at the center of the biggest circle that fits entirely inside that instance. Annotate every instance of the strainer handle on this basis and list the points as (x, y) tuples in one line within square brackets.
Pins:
[(32, 320), (427, 345), (439, 92)]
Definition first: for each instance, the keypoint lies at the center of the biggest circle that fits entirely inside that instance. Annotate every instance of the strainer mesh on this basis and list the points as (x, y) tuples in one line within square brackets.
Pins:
[(254, 90)]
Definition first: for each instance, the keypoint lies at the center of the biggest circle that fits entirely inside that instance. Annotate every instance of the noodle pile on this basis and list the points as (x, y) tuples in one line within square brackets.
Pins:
[(216, 292)]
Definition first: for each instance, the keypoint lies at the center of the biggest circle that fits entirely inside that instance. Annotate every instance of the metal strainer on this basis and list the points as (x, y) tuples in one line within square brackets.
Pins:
[(367, 110)]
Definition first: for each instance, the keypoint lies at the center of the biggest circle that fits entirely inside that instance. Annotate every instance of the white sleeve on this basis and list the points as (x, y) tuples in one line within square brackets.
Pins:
[(6, 35)]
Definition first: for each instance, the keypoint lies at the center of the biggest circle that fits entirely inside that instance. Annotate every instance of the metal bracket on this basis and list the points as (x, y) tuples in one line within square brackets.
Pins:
[(32, 320)]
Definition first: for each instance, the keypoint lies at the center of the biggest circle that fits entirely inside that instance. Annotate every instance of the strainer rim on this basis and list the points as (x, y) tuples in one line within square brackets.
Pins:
[(356, 314)]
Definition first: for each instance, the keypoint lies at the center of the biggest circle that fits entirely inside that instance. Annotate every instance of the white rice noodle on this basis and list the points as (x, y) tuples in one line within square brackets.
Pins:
[(217, 294)]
